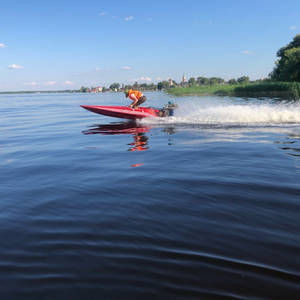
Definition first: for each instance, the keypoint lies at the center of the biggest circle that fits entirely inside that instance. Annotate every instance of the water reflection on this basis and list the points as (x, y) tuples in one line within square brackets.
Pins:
[(138, 131), (118, 128), (140, 142)]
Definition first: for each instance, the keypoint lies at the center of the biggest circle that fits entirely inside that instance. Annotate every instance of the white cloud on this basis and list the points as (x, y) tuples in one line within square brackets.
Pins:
[(126, 68), (50, 83), (2, 45), (130, 18), (14, 66), (103, 13), (143, 79), (247, 52), (146, 78), (32, 83), (90, 72), (293, 27), (67, 82)]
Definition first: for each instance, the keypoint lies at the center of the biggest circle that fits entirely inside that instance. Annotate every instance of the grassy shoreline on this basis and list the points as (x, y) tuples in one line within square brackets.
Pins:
[(289, 90)]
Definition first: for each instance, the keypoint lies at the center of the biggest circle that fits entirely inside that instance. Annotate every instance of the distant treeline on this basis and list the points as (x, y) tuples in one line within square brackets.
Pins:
[(166, 84), (116, 87), (255, 89), (204, 81)]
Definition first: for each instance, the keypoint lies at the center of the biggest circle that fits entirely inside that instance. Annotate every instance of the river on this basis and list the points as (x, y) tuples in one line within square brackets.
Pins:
[(202, 205)]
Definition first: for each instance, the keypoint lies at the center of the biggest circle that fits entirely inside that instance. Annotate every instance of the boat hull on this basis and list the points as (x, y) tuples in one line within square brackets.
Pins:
[(123, 112)]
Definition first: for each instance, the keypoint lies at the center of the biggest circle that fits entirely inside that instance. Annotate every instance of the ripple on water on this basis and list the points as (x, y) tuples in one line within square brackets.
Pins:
[(211, 211)]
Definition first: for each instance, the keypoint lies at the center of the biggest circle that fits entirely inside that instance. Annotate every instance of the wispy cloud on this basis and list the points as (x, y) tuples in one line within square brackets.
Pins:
[(126, 68), (14, 66), (150, 19), (293, 27), (32, 83), (103, 13), (143, 79), (130, 18), (2, 45), (90, 72), (50, 83), (247, 52), (67, 82)]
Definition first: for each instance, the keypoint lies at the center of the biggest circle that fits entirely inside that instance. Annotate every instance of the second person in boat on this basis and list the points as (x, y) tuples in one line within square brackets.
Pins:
[(136, 96)]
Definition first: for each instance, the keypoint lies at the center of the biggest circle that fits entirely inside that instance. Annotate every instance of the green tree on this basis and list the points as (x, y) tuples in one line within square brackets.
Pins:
[(202, 80), (144, 86), (287, 67), (84, 89), (243, 80), (163, 85), (114, 86), (220, 80), (152, 86), (213, 81), (192, 81), (232, 81)]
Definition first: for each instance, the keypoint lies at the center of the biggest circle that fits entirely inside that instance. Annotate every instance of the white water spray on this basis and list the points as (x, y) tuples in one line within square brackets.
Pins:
[(225, 111)]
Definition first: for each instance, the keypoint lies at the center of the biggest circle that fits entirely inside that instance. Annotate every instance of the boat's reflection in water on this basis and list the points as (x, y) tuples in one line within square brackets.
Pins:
[(138, 131)]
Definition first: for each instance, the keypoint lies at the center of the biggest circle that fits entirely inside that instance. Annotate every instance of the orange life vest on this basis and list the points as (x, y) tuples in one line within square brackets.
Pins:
[(137, 94)]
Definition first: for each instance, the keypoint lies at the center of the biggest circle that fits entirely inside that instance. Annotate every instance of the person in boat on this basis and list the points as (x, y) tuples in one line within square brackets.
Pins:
[(136, 96)]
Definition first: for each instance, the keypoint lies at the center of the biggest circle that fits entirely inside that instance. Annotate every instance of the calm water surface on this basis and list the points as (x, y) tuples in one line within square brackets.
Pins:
[(202, 205)]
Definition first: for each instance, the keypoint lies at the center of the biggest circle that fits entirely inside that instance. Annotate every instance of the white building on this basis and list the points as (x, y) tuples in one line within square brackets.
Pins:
[(184, 80)]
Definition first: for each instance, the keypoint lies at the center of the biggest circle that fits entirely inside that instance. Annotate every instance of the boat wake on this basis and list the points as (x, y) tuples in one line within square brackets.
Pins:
[(242, 113)]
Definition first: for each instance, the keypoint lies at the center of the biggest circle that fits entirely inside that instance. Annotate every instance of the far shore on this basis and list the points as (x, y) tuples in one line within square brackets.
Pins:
[(290, 90), (284, 90), (40, 92)]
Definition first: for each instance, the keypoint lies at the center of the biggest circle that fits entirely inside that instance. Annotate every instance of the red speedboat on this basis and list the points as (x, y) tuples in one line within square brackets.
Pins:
[(126, 112)]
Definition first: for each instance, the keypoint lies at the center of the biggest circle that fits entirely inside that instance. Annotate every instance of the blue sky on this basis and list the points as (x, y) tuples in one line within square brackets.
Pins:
[(52, 45)]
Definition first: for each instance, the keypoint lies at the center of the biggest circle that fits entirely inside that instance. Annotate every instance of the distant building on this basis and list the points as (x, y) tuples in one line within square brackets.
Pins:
[(184, 80), (171, 83), (97, 89)]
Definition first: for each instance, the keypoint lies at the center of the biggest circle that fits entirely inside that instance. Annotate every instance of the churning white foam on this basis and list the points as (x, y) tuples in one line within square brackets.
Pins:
[(212, 111)]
